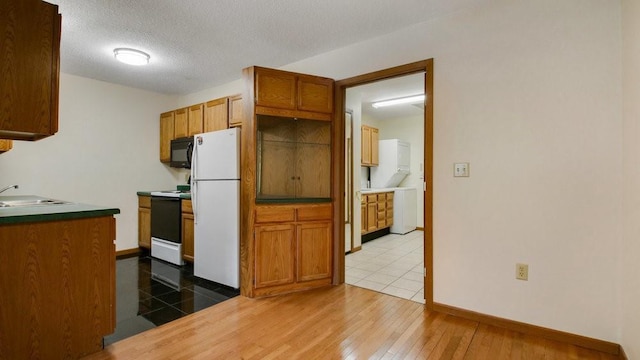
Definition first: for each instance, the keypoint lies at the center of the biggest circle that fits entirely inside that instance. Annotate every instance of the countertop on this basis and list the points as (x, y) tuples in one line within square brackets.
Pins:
[(37, 213), (381, 190), (185, 195)]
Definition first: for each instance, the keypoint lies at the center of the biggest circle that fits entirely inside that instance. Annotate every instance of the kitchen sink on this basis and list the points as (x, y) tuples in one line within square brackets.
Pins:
[(31, 202)]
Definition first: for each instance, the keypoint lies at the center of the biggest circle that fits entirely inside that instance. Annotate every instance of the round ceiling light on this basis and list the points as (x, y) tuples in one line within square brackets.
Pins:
[(131, 56)]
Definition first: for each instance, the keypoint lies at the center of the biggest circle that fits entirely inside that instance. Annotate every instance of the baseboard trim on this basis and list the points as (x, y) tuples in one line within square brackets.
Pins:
[(583, 341), (420, 228), (122, 254)]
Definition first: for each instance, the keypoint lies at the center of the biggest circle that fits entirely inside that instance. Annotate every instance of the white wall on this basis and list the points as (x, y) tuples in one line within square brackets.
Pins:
[(106, 150), (529, 93), (630, 249)]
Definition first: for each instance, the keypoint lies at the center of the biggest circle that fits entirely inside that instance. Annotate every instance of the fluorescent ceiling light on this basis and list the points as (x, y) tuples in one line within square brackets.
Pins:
[(402, 100), (131, 56)]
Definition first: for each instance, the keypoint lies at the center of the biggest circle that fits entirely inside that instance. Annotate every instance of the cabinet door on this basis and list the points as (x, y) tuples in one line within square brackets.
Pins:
[(315, 94), (314, 251), (236, 111), (216, 115), (313, 171), (187, 237), (277, 177), (365, 148), (166, 135), (374, 146), (181, 127), (275, 89), (195, 118), (30, 63), (389, 209), (144, 227), (5, 145), (274, 255), (372, 213), (363, 218)]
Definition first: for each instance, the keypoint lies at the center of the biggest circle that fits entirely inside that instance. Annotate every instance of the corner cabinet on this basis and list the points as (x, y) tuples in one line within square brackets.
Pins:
[(30, 63), (287, 193)]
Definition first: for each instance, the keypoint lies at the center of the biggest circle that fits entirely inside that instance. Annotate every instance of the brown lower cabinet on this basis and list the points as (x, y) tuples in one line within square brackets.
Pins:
[(377, 211), (57, 280), (144, 222), (187, 231), (293, 247)]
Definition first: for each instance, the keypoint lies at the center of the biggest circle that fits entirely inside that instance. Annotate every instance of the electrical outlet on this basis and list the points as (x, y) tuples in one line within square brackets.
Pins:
[(461, 169), (522, 272)]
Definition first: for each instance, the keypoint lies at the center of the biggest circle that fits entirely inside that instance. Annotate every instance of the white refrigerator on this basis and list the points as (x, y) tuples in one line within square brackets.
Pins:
[(215, 197)]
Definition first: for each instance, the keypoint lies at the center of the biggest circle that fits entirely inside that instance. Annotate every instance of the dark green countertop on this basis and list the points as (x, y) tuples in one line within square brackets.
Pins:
[(185, 195), (37, 213)]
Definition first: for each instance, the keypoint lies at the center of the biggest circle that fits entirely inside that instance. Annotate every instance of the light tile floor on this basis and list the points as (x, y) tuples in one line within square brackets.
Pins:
[(391, 264)]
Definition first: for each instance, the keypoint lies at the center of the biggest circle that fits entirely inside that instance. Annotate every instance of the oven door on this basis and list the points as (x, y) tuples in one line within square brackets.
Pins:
[(166, 219)]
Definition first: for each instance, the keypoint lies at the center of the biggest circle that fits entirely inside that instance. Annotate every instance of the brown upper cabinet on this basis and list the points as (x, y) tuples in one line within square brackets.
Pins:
[(181, 123), (236, 111), (29, 86), (291, 91), (369, 146), (216, 115), (195, 119), (167, 123), (5, 145)]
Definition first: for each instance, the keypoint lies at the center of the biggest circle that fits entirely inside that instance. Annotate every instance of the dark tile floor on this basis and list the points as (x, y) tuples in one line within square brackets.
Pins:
[(151, 292)]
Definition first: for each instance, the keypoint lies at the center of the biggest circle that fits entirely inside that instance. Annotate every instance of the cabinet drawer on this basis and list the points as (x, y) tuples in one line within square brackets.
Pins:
[(316, 212), (381, 215), (186, 206), (389, 214), (382, 223), (269, 214), (144, 201), (389, 196), (372, 198), (382, 197)]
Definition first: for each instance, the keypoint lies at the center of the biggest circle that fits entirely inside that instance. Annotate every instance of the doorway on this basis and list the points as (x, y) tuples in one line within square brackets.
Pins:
[(344, 129)]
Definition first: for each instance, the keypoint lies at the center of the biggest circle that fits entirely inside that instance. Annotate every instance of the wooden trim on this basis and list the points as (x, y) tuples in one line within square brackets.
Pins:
[(261, 110), (420, 228), (127, 253), (583, 341), (356, 248), (341, 86), (247, 188)]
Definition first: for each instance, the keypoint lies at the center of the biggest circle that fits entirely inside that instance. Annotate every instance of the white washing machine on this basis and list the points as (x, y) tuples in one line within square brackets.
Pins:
[(405, 210)]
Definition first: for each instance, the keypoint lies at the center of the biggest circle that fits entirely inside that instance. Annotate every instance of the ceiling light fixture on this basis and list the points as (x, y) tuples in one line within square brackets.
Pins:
[(131, 56), (402, 100)]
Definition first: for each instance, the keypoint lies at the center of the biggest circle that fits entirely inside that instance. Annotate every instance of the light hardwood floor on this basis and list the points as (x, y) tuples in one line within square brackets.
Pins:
[(340, 322)]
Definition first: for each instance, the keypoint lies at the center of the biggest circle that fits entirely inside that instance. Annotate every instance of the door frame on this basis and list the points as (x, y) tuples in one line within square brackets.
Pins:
[(341, 87)]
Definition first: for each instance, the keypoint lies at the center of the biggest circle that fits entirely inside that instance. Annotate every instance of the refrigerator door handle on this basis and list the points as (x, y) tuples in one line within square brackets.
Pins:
[(194, 182)]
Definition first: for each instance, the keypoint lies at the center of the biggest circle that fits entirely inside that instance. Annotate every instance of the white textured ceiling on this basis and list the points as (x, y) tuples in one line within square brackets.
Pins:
[(198, 44)]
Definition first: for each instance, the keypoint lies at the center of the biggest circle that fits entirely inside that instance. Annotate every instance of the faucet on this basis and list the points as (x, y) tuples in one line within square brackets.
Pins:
[(9, 187)]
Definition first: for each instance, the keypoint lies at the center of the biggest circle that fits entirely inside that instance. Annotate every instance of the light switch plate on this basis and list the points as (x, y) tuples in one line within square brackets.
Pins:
[(461, 169)]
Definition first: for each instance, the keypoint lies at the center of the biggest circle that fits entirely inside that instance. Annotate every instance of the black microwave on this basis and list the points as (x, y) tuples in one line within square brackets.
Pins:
[(181, 150)]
